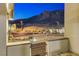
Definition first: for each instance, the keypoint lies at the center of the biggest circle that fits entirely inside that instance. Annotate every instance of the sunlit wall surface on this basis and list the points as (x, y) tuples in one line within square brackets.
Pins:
[(10, 7)]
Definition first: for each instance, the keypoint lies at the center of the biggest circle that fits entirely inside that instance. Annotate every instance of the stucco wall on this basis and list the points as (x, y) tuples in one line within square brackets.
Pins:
[(2, 29), (72, 26)]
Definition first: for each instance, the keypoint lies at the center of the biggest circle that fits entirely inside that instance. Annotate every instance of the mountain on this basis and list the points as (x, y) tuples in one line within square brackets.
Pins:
[(47, 17)]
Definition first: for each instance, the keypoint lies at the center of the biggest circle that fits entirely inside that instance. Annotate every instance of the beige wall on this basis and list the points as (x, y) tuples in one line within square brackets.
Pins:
[(19, 50), (2, 29), (72, 25)]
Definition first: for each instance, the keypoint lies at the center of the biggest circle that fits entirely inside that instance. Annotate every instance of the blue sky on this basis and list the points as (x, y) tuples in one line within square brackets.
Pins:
[(27, 10)]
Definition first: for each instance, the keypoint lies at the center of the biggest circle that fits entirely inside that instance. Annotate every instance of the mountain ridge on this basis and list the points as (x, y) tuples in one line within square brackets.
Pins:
[(47, 17)]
